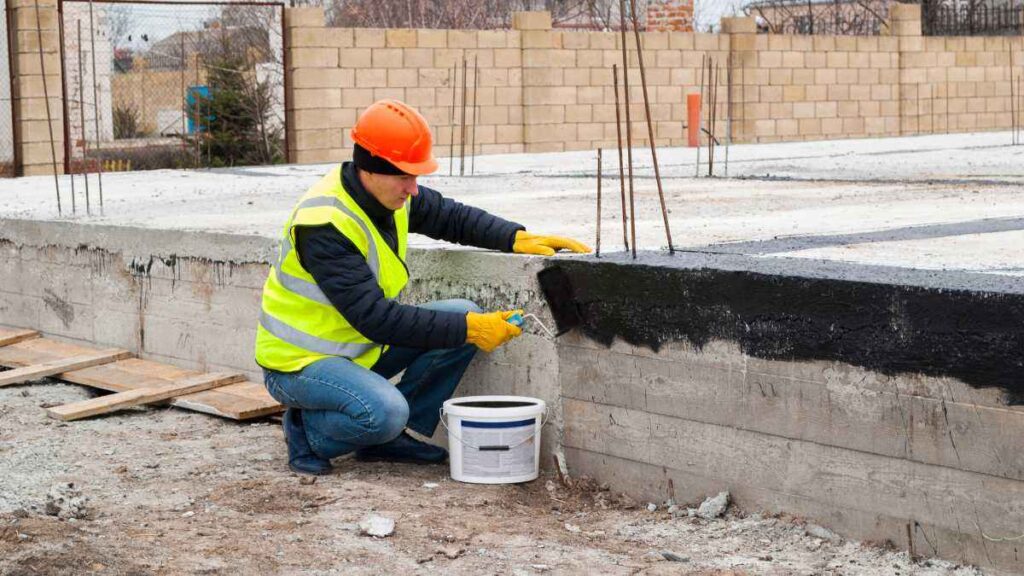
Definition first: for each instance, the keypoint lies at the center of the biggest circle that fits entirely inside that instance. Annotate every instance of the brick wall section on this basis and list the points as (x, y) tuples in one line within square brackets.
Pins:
[(32, 136), (545, 90), (670, 16)]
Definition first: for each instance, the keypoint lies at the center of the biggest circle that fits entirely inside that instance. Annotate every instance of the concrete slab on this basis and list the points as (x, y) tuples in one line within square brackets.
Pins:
[(896, 201)]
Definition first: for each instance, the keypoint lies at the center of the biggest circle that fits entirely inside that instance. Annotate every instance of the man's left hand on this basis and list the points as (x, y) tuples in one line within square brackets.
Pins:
[(527, 243)]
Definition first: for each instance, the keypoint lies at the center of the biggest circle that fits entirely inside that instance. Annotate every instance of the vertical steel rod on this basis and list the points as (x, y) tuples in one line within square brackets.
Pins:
[(96, 104), (622, 175), (451, 144), (472, 135), (713, 114), (629, 126), (597, 251), (700, 115), (184, 95), (65, 99), (462, 135), (728, 111), (49, 118), (650, 125), (196, 118), (81, 117)]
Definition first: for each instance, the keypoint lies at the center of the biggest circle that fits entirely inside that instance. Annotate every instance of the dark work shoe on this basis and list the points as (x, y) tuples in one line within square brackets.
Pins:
[(301, 458), (406, 449)]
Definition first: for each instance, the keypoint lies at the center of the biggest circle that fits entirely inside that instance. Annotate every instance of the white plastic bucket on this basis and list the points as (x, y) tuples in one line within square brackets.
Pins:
[(494, 439)]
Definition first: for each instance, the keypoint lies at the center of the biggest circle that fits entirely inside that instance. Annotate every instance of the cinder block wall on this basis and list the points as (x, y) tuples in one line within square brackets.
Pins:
[(545, 90), (31, 135)]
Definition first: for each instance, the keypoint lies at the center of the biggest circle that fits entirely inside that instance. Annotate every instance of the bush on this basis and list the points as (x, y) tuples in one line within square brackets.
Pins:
[(126, 122)]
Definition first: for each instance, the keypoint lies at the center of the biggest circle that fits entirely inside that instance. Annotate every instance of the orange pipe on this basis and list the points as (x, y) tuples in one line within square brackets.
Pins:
[(693, 120)]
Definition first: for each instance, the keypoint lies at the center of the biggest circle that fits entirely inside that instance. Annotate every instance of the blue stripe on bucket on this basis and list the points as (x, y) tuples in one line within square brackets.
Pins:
[(515, 424)]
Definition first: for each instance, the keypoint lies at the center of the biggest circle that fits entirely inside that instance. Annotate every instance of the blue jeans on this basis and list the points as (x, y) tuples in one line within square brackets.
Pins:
[(345, 406)]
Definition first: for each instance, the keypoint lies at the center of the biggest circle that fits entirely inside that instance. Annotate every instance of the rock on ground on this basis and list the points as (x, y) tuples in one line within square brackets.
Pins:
[(714, 507)]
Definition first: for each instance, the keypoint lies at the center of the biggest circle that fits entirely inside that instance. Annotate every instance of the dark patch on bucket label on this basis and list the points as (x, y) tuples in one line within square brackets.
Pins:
[(975, 336), (60, 307)]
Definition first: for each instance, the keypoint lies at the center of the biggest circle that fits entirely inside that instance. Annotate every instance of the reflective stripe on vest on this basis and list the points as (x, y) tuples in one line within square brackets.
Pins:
[(310, 289), (310, 342)]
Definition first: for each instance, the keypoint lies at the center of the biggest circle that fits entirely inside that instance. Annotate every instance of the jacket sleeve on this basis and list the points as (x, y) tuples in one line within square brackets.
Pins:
[(345, 278), (441, 218)]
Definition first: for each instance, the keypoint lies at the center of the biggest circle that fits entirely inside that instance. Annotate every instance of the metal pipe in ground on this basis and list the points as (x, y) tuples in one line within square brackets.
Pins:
[(472, 141), (49, 117), (96, 103), (597, 250), (462, 136), (700, 115), (451, 141), (728, 111), (81, 117), (629, 126), (622, 175), (650, 125)]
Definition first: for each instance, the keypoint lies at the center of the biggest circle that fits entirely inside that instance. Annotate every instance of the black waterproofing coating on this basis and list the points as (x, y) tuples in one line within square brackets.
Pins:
[(345, 278), (977, 337)]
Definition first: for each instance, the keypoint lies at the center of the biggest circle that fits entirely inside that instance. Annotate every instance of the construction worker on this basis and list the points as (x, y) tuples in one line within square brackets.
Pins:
[(332, 331)]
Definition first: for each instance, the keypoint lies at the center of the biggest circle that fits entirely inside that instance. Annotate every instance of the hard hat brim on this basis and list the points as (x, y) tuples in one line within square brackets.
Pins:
[(428, 166)]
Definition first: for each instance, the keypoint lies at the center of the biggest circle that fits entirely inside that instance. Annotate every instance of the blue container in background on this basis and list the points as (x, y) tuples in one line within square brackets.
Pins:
[(200, 94)]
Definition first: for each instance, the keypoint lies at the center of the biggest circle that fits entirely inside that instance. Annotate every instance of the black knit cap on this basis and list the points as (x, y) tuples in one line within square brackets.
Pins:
[(367, 162)]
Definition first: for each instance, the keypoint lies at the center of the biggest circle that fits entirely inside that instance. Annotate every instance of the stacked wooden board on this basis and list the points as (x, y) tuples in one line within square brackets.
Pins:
[(134, 381)]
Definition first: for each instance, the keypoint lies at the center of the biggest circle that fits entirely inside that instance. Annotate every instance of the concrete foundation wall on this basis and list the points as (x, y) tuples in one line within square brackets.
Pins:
[(927, 462), (193, 299)]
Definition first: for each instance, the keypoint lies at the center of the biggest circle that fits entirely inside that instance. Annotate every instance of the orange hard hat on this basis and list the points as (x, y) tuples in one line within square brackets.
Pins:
[(396, 132)]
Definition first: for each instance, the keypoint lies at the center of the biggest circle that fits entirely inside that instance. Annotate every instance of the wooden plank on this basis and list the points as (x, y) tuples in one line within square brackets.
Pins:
[(836, 410), (239, 401), (982, 509), (140, 396), (8, 337), (59, 366)]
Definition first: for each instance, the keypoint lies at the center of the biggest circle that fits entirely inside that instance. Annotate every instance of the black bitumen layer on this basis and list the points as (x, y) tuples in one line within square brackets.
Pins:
[(968, 326)]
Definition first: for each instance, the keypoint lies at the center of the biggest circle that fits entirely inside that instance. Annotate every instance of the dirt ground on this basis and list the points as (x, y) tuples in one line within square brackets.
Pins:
[(174, 492)]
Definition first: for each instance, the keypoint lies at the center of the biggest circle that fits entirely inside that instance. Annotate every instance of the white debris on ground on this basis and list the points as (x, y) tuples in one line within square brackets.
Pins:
[(171, 491), (377, 526), (65, 501), (714, 507)]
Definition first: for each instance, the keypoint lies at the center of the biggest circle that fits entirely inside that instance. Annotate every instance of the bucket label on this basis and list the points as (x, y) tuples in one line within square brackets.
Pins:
[(518, 460)]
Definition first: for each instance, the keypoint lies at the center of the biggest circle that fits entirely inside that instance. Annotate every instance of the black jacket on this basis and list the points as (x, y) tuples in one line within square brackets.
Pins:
[(345, 278)]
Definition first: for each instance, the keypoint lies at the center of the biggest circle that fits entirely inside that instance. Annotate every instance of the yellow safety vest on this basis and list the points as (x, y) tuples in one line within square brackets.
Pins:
[(298, 324)]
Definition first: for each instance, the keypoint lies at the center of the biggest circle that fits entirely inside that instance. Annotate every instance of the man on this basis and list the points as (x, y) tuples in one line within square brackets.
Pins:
[(331, 330)]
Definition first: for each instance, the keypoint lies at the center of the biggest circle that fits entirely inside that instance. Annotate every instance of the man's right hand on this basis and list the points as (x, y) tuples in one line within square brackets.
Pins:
[(490, 330)]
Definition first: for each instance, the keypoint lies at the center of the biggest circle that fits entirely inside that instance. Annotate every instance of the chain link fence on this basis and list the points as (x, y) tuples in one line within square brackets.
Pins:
[(151, 85), (7, 159)]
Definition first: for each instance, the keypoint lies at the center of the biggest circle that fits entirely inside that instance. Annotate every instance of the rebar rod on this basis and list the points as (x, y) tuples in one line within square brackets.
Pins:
[(462, 135), (96, 103), (597, 250), (451, 141), (629, 126), (622, 174), (728, 111), (472, 135), (650, 125), (712, 114), (81, 117), (700, 113), (183, 94), (49, 118), (196, 118)]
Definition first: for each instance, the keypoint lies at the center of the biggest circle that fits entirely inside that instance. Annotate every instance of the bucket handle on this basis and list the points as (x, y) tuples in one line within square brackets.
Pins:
[(493, 448)]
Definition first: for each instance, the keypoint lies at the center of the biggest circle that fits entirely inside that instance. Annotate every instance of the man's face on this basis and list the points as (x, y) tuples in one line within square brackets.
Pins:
[(391, 191)]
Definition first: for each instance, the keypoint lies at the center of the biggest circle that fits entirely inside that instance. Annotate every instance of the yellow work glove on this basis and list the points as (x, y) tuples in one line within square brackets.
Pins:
[(527, 243), (490, 330)]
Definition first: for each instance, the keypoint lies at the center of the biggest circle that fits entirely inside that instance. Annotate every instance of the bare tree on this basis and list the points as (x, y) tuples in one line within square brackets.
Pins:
[(470, 14), (837, 17)]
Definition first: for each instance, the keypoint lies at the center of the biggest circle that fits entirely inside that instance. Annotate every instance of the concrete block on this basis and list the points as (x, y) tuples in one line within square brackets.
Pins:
[(312, 58), (400, 38), (739, 25), (323, 78), (386, 57), (316, 98), (370, 38), (538, 20), (310, 17)]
